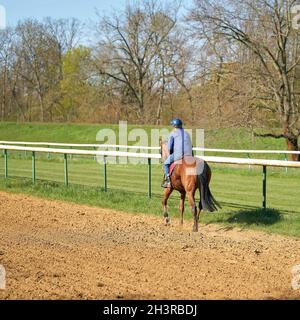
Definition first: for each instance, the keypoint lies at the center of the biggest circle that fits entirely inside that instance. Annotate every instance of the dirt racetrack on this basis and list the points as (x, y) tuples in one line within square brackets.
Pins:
[(56, 250)]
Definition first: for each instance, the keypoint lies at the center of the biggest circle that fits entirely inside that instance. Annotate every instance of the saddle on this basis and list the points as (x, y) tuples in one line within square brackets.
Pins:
[(190, 160)]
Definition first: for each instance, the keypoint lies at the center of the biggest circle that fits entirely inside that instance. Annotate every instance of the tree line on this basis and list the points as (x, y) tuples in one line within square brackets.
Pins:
[(219, 64)]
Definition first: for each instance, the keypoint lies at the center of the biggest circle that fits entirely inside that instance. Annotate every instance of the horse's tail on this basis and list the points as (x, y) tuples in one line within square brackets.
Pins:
[(207, 201)]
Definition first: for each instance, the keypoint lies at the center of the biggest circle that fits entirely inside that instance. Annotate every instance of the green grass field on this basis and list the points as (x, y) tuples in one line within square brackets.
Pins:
[(239, 189), (83, 133)]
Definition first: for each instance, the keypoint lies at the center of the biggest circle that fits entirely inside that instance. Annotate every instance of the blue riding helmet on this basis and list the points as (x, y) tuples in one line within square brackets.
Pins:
[(177, 123)]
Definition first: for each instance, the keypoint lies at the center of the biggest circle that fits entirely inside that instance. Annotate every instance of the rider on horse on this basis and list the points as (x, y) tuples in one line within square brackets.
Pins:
[(179, 146)]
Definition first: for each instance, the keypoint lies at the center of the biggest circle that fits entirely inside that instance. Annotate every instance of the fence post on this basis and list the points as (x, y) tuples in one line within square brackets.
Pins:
[(95, 157), (66, 170), (286, 159), (5, 164), (105, 173), (33, 168), (249, 157), (264, 187), (149, 179)]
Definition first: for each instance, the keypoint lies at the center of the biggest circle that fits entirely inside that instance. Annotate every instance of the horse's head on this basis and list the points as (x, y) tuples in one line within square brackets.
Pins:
[(164, 150)]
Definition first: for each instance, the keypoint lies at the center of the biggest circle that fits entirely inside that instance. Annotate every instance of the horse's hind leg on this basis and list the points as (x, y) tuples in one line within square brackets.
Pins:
[(167, 194), (192, 203), (181, 207), (200, 209)]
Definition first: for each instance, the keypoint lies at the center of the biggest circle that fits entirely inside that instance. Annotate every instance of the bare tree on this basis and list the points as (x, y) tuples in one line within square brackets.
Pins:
[(6, 61), (39, 50), (265, 28), (130, 48), (37, 60)]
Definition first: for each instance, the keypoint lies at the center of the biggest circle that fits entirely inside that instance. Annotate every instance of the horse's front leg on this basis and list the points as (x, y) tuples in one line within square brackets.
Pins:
[(181, 206), (192, 203), (167, 194)]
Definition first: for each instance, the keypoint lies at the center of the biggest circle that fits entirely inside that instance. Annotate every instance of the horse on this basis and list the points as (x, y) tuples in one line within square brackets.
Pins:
[(189, 174)]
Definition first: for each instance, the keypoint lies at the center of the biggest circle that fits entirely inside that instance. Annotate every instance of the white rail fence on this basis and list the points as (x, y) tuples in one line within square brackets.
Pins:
[(82, 145), (149, 156)]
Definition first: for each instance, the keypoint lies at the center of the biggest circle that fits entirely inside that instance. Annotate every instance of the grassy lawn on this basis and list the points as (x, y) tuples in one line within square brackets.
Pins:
[(232, 138), (238, 189)]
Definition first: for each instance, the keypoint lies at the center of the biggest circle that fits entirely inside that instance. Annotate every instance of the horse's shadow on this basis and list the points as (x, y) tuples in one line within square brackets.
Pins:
[(255, 217)]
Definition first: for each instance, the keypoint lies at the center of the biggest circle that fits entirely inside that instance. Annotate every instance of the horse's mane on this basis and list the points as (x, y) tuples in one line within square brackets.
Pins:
[(164, 150)]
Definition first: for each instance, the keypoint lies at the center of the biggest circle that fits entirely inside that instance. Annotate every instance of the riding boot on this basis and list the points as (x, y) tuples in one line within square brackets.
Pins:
[(166, 183)]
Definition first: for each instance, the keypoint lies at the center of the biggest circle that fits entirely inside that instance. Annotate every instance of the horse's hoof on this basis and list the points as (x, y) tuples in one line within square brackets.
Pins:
[(167, 222)]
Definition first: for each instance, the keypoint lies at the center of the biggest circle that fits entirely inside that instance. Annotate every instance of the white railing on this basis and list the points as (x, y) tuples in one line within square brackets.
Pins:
[(237, 161), (254, 162), (82, 152), (72, 145), (247, 151), (76, 145), (226, 160)]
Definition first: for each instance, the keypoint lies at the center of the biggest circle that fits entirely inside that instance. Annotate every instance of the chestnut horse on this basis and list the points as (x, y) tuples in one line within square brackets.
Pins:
[(189, 175)]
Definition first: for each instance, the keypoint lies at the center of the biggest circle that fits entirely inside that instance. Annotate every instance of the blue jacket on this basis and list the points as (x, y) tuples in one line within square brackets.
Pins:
[(176, 147)]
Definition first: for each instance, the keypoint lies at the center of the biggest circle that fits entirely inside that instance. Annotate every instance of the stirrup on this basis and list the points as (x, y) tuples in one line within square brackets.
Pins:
[(167, 183)]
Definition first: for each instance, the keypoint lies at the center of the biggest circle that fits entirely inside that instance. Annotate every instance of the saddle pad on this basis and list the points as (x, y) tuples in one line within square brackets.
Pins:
[(172, 167)]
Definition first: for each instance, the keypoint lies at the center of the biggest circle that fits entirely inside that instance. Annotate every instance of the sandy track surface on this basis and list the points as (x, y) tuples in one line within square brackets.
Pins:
[(57, 250)]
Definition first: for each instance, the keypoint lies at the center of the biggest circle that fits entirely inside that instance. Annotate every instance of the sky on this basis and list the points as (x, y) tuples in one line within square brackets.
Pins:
[(85, 10)]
